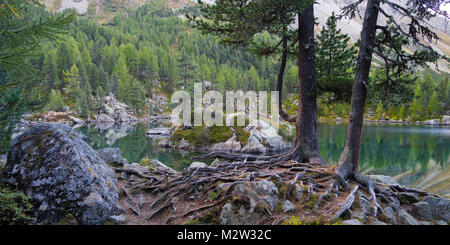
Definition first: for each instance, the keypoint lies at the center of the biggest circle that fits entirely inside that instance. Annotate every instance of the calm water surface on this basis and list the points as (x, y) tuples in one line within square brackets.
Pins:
[(416, 156)]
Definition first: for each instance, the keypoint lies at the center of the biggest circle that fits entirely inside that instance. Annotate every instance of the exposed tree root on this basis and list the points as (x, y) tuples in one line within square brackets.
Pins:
[(176, 198)]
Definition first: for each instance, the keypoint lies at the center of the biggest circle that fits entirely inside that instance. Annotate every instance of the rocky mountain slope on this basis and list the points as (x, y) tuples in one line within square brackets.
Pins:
[(324, 8)]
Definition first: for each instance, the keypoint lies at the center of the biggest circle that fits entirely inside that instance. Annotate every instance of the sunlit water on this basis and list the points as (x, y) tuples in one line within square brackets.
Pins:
[(416, 156)]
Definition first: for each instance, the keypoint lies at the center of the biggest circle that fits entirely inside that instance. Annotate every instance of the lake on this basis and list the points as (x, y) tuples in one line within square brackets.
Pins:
[(417, 156)]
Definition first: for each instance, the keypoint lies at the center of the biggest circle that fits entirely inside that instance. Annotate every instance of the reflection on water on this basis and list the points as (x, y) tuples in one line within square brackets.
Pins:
[(134, 144), (416, 156)]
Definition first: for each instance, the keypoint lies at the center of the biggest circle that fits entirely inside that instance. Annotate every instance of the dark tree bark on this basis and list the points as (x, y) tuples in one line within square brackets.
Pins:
[(348, 161), (306, 148)]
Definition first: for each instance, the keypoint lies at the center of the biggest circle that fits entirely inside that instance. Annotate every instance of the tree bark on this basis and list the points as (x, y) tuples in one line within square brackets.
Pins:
[(348, 161), (306, 148)]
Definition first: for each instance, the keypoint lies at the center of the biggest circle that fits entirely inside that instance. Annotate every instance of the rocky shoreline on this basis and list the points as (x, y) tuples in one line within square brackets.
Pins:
[(67, 178)]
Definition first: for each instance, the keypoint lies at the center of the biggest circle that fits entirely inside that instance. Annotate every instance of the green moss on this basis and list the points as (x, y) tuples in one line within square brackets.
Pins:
[(211, 218), (312, 201), (212, 195), (219, 134), (147, 162), (287, 133), (201, 136), (15, 207), (294, 220), (242, 135), (282, 190), (192, 222)]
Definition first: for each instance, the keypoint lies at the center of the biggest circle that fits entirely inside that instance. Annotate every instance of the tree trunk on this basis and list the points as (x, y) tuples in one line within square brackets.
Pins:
[(348, 162), (306, 148)]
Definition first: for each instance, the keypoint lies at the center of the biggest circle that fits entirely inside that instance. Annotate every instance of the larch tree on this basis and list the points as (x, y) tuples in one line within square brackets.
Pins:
[(290, 24), (418, 13)]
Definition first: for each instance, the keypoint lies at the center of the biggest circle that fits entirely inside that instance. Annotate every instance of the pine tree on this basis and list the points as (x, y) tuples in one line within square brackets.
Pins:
[(416, 109), (115, 86), (433, 106), (136, 96), (335, 55), (402, 112), (186, 69), (335, 59), (56, 101), (380, 110)]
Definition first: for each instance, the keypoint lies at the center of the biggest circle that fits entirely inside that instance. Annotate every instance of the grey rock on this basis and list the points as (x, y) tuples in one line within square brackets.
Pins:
[(208, 85), (374, 221), (258, 192), (432, 122), (408, 197), (123, 176), (360, 216), (441, 222), (406, 218), (58, 169), (384, 179), (389, 211), (112, 155), (103, 118), (288, 206), (352, 222), (298, 192), (215, 163), (446, 120), (422, 210), (158, 132), (440, 207), (238, 215), (118, 219), (364, 205), (161, 165), (76, 120), (198, 165)]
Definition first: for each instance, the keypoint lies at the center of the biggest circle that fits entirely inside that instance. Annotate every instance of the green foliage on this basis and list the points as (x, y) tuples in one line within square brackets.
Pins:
[(25, 23), (402, 112), (335, 61), (380, 110), (213, 195), (56, 102), (294, 220), (416, 109), (15, 207), (201, 135), (241, 135), (147, 162), (433, 106)]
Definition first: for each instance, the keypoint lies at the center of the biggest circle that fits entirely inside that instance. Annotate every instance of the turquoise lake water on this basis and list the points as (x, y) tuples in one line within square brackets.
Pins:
[(416, 156)]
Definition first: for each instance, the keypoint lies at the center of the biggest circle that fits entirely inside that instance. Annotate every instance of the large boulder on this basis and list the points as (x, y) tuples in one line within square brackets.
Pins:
[(263, 138), (263, 193), (114, 110), (446, 120), (112, 155), (432, 122), (439, 207), (63, 175), (104, 118)]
